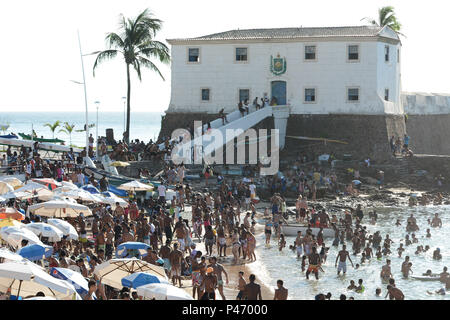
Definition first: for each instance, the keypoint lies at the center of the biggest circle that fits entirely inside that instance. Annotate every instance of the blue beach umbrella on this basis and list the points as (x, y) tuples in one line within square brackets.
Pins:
[(74, 278), (91, 189), (138, 279), (118, 192), (35, 252), (132, 249)]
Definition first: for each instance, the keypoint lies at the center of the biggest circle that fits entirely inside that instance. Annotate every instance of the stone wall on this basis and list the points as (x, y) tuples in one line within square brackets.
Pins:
[(367, 135), (430, 134)]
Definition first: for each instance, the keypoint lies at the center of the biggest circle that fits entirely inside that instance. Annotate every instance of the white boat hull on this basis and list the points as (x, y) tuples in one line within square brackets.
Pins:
[(292, 229)]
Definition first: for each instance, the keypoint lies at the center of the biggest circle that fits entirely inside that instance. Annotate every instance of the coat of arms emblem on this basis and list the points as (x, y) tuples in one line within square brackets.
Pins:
[(277, 65)]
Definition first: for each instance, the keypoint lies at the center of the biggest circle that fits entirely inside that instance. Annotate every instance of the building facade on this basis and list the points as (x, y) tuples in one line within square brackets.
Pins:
[(343, 70)]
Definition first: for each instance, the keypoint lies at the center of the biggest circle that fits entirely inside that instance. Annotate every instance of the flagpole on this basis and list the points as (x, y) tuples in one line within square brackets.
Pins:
[(85, 95)]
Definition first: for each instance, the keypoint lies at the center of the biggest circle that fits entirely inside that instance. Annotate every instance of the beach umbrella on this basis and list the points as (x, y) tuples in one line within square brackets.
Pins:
[(78, 194), (41, 298), (132, 248), (59, 208), (11, 213), (139, 279), (51, 184), (67, 229), (45, 230), (14, 236), (74, 278), (35, 190), (91, 189), (12, 181), (68, 184), (5, 187), (3, 199), (117, 192), (163, 291), (119, 164), (9, 255), (36, 252), (112, 272), (10, 223), (135, 186), (111, 199), (27, 278), (19, 195)]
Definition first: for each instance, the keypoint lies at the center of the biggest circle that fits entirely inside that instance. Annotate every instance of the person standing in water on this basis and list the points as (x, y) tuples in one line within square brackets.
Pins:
[(342, 256)]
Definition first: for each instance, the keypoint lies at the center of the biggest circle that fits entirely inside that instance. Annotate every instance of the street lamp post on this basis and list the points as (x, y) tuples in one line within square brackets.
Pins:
[(97, 103), (124, 113), (85, 94)]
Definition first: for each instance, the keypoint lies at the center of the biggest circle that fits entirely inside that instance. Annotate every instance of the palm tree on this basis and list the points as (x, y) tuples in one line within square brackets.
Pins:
[(68, 129), (386, 17), (53, 126), (136, 45)]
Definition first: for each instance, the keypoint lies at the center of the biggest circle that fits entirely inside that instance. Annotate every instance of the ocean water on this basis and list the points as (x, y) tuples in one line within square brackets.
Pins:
[(143, 125), (273, 265)]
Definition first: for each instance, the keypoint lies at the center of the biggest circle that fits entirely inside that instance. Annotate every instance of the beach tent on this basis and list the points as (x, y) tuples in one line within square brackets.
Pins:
[(59, 209), (74, 278), (45, 230), (5, 187), (66, 228), (113, 271), (140, 279), (35, 252), (139, 248), (27, 278), (163, 291), (135, 186), (14, 236)]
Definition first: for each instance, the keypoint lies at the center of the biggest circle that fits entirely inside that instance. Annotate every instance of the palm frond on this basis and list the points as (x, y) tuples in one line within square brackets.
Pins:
[(155, 49), (103, 56), (150, 65), (114, 40)]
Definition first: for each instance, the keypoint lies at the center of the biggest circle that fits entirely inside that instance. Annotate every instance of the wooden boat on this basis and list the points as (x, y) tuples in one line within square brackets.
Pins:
[(292, 229)]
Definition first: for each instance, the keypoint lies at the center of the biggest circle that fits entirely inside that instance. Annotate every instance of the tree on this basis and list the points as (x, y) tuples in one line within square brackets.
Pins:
[(53, 127), (68, 129), (386, 17), (137, 46)]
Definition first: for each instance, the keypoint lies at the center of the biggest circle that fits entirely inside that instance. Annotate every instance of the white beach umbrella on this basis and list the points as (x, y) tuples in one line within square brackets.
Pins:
[(135, 186), (14, 236), (163, 291), (68, 184), (78, 194), (27, 278), (12, 181), (111, 199), (59, 208), (112, 272), (36, 189), (66, 228), (45, 230), (18, 195), (5, 187), (9, 256)]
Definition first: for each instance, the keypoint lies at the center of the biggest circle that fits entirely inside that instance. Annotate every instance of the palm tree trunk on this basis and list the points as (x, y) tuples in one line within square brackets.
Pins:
[(127, 132)]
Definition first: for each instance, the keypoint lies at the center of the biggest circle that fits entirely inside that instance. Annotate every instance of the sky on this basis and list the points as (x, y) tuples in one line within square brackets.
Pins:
[(40, 56)]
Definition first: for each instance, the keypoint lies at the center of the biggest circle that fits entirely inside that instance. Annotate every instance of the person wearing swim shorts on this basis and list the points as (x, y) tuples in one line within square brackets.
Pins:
[(218, 269), (342, 256), (314, 264)]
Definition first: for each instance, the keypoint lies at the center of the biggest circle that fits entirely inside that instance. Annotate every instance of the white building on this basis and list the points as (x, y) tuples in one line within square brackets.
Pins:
[(338, 70)]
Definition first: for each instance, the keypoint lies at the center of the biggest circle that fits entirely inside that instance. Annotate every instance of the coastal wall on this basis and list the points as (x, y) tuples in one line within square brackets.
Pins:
[(428, 122), (367, 135)]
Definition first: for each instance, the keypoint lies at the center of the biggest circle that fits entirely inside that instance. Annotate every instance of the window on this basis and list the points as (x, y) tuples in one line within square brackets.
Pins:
[(244, 94), (241, 54), (353, 94), (353, 53), (205, 95), (194, 55), (386, 53), (310, 95), (386, 94), (310, 52)]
